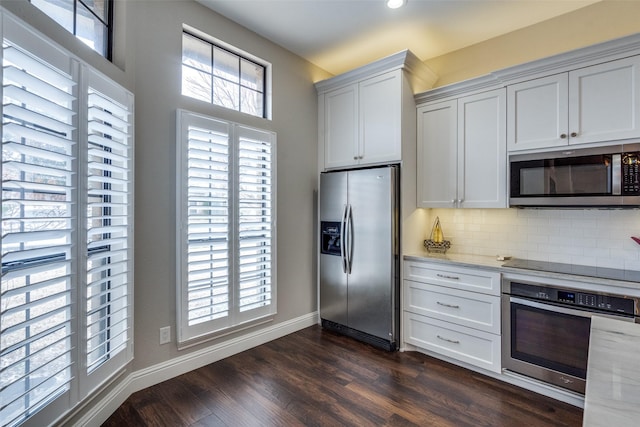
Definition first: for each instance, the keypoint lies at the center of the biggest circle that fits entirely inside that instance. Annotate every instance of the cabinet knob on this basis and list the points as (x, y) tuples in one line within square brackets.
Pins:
[(355, 157), (361, 157), (574, 134), (563, 136)]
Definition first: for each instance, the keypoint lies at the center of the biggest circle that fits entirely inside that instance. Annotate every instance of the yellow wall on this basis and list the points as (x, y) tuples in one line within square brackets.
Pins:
[(606, 20)]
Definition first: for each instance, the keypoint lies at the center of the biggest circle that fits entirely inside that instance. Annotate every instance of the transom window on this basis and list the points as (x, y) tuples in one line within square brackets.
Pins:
[(216, 75), (89, 20)]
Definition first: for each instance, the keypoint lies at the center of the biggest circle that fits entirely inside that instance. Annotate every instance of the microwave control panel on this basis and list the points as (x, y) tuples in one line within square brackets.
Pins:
[(630, 174)]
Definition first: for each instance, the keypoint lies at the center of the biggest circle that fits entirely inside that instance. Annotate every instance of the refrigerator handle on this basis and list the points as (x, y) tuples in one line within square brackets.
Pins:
[(349, 239), (343, 239)]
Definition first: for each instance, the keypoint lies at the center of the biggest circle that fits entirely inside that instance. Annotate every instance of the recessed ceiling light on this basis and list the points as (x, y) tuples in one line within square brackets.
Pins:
[(394, 4)]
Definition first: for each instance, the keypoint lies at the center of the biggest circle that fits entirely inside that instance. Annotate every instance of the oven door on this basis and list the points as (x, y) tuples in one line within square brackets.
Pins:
[(546, 341)]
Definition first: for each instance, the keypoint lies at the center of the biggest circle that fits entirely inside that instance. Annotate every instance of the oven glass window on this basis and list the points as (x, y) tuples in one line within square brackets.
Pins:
[(549, 339)]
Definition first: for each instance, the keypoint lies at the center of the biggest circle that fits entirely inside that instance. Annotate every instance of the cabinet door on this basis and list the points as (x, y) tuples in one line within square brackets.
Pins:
[(537, 113), (482, 150), (341, 127), (604, 102), (380, 118), (437, 155)]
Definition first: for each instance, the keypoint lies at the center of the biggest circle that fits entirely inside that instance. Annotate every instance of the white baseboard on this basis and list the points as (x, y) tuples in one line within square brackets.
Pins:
[(138, 380)]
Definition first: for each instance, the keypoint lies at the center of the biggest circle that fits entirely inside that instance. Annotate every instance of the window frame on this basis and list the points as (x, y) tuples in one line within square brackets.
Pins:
[(108, 24), (236, 320), (242, 55)]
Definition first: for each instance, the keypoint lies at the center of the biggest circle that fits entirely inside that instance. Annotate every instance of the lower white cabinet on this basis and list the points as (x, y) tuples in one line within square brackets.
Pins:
[(472, 346), (458, 317)]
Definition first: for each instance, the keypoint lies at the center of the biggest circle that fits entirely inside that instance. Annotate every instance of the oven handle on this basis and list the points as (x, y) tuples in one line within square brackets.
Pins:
[(569, 311)]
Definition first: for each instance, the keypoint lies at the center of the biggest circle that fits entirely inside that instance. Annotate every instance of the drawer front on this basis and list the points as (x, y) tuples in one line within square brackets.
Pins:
[(457, 342), (483, 281), (470, 309)]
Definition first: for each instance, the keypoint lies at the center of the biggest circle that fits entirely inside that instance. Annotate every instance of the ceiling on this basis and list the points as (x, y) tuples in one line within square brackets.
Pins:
[(339, 35)]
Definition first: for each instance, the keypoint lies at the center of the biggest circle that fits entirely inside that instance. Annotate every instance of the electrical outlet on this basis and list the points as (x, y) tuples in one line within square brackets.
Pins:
[(165, 335)]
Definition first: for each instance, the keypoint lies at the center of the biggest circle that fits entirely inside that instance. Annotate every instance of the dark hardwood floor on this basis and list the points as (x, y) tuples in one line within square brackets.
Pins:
[(317, 378)]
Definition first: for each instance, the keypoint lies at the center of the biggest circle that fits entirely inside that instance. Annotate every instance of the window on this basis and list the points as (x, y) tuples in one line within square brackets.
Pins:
[(65, 313), (216, 75), (225, 228), (89, 20)]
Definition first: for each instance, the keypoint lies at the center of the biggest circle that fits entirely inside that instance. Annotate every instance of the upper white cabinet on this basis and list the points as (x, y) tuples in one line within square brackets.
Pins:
[(593, 104), (462, 153), (366, 115), (363, 122)]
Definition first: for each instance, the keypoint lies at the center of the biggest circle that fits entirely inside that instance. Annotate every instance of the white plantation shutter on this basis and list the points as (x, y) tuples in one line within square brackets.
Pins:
[(254, 218), (225, 225), (66, 240), (108, 229), (38, 180)]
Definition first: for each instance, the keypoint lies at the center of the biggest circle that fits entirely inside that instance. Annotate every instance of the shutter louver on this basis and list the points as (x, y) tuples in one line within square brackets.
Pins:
[(207, 224), (38, 188), (108, 212), (254, 220)]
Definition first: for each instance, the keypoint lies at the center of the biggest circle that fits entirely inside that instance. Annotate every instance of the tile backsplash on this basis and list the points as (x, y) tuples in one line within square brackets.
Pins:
[(597, 237)]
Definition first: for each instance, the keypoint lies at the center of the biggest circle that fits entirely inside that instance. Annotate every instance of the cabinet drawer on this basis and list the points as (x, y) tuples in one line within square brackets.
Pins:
[(457, 342), (470, 309), (483, 281)]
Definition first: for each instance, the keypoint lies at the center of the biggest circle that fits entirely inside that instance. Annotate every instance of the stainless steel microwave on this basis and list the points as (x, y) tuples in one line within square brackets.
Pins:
[(576, 177)]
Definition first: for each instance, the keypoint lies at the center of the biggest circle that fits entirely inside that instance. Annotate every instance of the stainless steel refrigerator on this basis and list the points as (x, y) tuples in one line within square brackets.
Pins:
[(359, 254)]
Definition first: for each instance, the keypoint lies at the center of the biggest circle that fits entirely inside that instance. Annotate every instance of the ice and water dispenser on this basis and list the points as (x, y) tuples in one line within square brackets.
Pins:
[(330, 242)]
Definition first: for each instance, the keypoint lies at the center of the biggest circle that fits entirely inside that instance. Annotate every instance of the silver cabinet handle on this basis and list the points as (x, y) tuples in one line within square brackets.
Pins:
[(448, 340), (563, 136), (447, 305), (574, 134), (444, 276)]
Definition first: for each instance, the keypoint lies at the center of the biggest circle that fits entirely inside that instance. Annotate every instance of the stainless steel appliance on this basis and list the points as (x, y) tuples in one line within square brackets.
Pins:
[(359, 254), (605, 176), (546, 328)]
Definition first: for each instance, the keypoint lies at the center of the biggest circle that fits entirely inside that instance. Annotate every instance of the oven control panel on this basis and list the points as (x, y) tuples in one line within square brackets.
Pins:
[(604, 302)]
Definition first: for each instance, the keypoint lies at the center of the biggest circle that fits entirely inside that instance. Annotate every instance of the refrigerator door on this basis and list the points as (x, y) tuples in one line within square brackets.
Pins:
[(333, 278), (372, 290)]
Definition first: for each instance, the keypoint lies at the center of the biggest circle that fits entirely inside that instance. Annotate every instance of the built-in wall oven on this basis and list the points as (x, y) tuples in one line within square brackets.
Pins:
[(546, 329)]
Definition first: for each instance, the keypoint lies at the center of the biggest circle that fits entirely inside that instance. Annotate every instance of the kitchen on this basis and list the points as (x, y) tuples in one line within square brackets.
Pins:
[(152, 61)]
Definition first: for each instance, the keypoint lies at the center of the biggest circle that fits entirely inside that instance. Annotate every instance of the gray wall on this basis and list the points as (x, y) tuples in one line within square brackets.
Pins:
[(154, 35), (147, 59)]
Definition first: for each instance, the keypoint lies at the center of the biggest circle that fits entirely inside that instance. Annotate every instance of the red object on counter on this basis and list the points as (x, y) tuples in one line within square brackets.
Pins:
[(636, 239)]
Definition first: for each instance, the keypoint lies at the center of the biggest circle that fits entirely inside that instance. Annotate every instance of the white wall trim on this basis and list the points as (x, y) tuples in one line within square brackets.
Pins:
[(138, 380)]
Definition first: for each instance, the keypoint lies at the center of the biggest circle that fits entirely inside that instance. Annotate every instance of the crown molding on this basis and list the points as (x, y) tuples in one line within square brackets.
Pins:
[(421, 77)]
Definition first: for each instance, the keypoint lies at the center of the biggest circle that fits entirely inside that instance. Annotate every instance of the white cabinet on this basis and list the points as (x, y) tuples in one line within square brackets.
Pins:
[(594, 104), (454, 312), (363, 122), (367, 116), (462, 152)]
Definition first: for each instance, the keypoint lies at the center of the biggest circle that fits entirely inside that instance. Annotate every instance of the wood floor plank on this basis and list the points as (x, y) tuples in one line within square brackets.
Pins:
[(318, 378)]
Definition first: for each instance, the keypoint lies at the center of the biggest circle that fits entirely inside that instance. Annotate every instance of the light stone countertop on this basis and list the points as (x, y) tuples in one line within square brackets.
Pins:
[(612, 397), (459, 259), (491, 263)]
